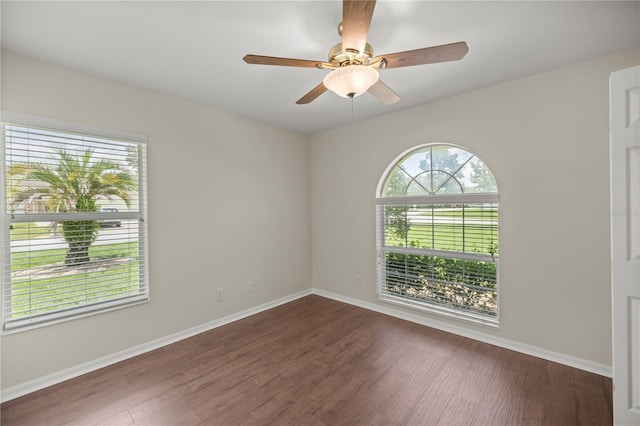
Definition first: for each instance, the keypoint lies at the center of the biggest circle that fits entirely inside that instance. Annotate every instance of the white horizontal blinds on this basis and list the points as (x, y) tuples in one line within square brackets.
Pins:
[(28, 146), (437, 220), (461, 228), (466, 285), (444, 254), (75, 209)]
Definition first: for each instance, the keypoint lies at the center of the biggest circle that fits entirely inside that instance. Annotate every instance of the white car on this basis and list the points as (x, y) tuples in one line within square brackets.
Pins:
[(109, 222)]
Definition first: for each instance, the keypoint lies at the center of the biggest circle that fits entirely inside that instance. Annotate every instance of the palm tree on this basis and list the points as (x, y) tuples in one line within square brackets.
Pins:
[(72, 184)]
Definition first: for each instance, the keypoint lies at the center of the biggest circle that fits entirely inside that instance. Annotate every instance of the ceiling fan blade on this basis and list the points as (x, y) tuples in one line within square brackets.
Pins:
[(313, 93), (356, 18), (287, 62), (427, 55), (383, 93)]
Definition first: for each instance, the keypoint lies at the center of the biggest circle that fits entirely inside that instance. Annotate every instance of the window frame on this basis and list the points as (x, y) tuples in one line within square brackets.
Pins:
[(31, 321), (413, 201)]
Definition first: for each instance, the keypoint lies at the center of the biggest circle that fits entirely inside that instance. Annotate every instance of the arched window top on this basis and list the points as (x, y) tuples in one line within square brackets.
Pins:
[(438, 169)]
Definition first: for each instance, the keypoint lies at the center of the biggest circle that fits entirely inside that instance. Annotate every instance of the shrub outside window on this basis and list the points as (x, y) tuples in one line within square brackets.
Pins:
[(437, 234), (74, 225)]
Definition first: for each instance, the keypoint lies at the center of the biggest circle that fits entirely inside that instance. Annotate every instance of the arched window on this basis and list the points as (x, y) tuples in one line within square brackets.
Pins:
[(437, 233)]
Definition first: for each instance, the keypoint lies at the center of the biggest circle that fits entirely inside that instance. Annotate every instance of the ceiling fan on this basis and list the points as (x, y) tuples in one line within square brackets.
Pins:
[(354, 68)]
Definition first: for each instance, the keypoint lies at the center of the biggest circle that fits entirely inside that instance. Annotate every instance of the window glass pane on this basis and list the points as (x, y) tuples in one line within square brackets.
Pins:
[(462, 284), (439, 170), (465, 228), (396, 226), (419, 186), (449, 159), (47, 276), (475, 176), (48, 173), (397, 182), (417, 162), (444, 183)]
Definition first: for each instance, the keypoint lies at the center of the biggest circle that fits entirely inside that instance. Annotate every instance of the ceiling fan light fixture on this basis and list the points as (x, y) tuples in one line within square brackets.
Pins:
[(355, 69), (351, 81)]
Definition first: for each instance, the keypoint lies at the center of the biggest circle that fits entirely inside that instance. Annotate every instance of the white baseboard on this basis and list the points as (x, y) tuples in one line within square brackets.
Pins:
[(571, 361), (69, 373)]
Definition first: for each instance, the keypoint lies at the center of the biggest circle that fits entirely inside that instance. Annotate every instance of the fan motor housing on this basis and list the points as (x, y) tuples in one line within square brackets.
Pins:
[(351, 57)]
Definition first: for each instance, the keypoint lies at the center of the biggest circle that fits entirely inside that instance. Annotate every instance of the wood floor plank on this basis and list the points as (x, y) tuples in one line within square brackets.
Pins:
[(319, 362)]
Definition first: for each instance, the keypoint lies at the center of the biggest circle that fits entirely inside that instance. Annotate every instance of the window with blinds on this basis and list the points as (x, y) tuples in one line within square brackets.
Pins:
[(437, 234), (74, 225)]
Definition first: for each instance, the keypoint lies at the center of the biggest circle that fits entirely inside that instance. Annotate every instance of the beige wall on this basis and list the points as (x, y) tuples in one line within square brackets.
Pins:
[(546, 139), (228, 202)]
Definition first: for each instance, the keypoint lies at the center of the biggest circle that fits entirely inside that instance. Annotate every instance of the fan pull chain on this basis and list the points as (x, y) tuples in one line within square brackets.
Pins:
[(352, 108)]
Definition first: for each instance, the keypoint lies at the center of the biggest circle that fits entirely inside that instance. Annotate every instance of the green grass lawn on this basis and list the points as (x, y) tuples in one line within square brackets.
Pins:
[(25, 260), (41, 282), (448, 237), (28, 231), (467, 212), (469, 228)]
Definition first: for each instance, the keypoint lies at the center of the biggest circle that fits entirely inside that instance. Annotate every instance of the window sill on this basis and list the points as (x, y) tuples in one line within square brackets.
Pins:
[(19, 325), (442, 311)]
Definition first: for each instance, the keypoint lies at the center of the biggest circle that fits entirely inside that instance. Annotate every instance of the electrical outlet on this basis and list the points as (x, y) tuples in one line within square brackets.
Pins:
[(250, 285), (358, 281), (219, 294)]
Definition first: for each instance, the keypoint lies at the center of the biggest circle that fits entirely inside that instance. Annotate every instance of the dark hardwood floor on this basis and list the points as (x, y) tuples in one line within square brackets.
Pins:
[(316, 361)]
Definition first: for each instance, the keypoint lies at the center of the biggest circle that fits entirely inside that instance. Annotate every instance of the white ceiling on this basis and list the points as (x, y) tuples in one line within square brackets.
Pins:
[(194, 50)]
